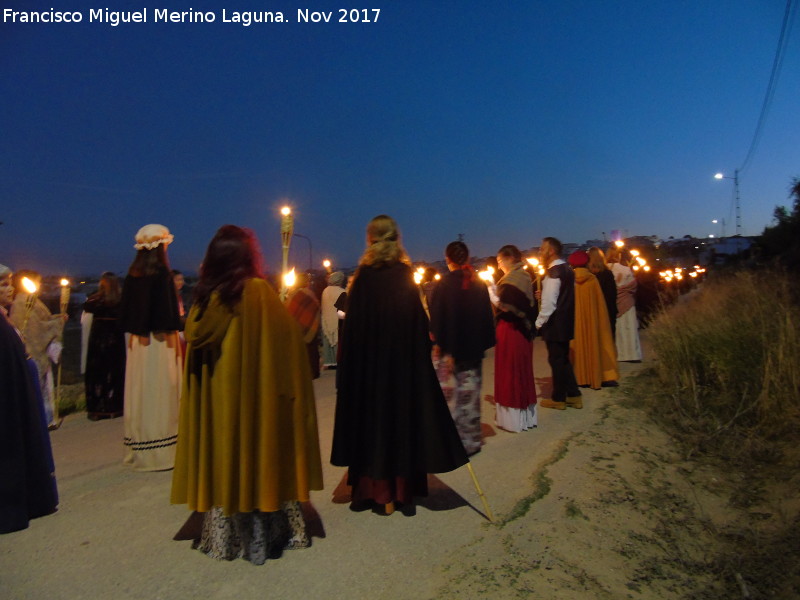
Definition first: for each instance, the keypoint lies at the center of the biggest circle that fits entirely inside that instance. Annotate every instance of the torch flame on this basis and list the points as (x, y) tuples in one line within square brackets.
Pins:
[(290, 278), (64, 282), (29, 285)]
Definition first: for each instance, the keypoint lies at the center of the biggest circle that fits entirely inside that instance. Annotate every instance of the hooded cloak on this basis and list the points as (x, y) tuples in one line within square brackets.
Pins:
[(247, 438)]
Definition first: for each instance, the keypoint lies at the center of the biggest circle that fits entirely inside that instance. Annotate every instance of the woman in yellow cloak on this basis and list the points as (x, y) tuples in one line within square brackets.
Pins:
[(592, 351), (248, 447)]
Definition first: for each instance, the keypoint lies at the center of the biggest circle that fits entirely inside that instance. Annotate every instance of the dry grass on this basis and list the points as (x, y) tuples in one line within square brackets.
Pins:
[(729, 364), (727, 388)]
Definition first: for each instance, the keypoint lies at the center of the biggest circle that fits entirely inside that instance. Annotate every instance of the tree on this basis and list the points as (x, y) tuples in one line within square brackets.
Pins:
[(781, 241)]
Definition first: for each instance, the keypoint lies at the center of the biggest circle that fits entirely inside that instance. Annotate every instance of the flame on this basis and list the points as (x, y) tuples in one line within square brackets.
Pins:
[(619, 243), (634, 253), (286, 211), (437, 277), (29, 285), (64, 282), (418, 276), (534, 262), (326, 263), (290, 278)]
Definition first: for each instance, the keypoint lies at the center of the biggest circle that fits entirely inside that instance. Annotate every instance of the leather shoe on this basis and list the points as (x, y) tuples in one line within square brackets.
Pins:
[(548, 403), (575, 401)]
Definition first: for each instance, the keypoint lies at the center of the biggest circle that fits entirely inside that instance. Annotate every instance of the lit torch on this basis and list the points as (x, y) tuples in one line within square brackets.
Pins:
[(289, 279), (30, 287), (287, 229), (64, 304), (534, 262), (64, 295)]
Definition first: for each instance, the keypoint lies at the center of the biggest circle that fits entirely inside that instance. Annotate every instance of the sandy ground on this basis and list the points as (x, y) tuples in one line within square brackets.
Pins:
[(585, 507)]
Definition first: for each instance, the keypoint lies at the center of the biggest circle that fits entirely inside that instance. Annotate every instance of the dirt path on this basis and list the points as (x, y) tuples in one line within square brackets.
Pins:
[(592, 504)]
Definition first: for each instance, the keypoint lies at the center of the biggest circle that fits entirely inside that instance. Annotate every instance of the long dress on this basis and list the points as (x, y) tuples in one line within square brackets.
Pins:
[(149, 312), (41, 333), (330, 324), (592, 351), (105, 361), (248, 448), (627, 336), (27, 474), (392, 424), (462, 326), (514, 385)]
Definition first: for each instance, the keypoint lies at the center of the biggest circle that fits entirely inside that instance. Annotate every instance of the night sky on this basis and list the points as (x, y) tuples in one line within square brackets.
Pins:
[(502, 121)]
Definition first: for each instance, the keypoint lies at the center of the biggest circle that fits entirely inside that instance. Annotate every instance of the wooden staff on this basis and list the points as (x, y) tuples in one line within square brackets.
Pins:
[(488, 510), (64, 307)]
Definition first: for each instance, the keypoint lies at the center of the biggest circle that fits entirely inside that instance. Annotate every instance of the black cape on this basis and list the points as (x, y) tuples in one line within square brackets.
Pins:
[(27, 478), (462, 321), (391, 417)]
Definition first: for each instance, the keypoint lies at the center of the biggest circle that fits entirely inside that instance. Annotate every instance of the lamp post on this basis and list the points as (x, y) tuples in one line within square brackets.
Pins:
[(310, 252), (287, 228), (722, 226), (736, 190)]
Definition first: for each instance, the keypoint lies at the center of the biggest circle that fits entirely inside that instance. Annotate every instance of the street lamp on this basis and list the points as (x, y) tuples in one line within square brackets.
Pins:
[(310, 251), (722, 226), (736, 189)]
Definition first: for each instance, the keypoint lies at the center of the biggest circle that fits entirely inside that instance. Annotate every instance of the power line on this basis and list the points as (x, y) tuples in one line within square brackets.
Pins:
[(773, 78)]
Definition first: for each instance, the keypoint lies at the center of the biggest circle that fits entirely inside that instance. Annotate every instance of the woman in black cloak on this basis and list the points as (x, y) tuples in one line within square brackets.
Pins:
[(105, 356), (27, 474), (392, 423)]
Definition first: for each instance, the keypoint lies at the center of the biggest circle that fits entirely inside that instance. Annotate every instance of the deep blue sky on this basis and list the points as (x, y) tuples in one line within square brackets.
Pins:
[(503, 121)]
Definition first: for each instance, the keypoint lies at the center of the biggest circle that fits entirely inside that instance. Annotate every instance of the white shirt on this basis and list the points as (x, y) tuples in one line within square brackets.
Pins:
[(550, 290)]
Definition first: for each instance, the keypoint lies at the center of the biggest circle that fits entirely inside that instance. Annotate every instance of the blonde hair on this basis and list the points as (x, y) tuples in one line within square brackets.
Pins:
[(597, 260), (618, 255), (383, 243)]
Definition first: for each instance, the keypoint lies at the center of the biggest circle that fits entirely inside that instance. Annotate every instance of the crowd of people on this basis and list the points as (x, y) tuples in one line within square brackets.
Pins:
[(218, 387)]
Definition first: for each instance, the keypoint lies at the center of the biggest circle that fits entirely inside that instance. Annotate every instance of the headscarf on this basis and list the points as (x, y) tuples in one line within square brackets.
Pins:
[(337, 279)]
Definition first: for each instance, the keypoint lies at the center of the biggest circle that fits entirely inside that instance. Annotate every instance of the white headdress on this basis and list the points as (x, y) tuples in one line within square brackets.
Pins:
[(150, 236)]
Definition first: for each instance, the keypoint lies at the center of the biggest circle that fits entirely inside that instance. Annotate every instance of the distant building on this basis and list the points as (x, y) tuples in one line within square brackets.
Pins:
[(719, 250)]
